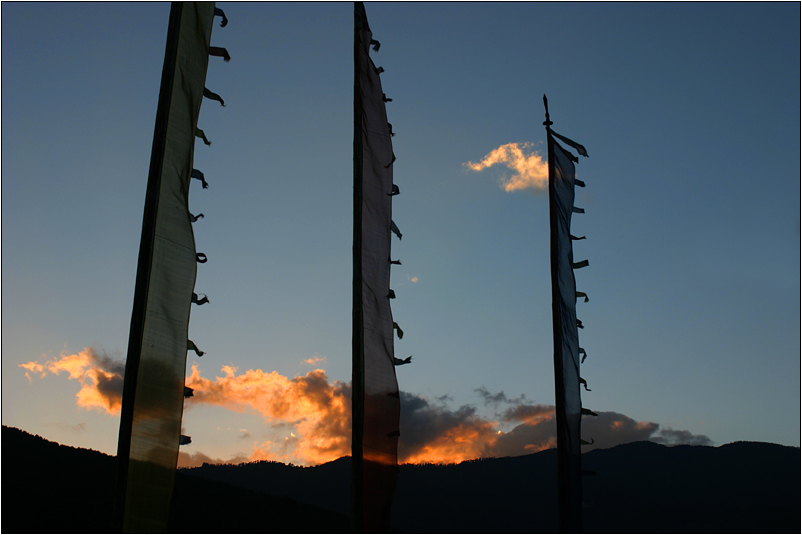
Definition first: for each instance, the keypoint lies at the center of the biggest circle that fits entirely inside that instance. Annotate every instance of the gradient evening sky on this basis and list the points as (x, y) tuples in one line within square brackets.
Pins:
[(690, 114)]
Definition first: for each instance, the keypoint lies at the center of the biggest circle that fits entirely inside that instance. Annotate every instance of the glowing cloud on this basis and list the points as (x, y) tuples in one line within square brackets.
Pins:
[(530, 169), (309, 418), (100, 376), (34, 367), (436, 434), (318, 412), (314, 360)]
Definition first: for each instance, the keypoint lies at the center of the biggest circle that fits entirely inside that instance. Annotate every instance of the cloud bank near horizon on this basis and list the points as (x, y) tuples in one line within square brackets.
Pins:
[(309, 417)]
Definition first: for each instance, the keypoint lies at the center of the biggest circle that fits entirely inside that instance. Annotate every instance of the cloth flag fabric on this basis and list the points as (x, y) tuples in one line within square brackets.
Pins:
[(153, 398), (562, 181), (375, 396)]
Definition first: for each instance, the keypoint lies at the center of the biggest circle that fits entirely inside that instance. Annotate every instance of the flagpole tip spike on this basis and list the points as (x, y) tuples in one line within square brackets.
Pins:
[(547, 123)]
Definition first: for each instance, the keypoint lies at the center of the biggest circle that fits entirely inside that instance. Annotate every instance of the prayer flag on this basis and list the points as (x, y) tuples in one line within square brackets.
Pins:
[(562, 181), (375, 396), (153, 394)]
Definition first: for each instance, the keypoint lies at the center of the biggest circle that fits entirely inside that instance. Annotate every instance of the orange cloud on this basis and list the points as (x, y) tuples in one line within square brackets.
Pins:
[(434, 433), (100, 376), (318, 412), (310, 418), (314, 360), (463, 442), (530, 169), (34, 367)]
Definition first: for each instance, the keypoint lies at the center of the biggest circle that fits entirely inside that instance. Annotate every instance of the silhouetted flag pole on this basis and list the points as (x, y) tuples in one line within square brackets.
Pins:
[(153, 391), (375, 397), (566, 338)]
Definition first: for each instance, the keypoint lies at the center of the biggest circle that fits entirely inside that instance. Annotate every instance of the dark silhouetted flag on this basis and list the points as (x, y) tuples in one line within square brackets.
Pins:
[(153, 395), (375, 396), (566, 339)]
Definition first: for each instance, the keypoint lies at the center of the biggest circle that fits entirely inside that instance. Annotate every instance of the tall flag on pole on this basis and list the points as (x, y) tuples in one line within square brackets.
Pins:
[(562, 180), (154, 391), (375, 396)]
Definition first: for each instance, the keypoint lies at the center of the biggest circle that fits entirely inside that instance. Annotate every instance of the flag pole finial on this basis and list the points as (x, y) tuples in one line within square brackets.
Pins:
[(547, 123)]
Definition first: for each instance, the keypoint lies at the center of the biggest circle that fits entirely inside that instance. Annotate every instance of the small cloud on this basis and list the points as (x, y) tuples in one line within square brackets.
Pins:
[(414, 279), (244, 434), (528, 414), (498, 398), (530, 169), (314, 360), (491, 399), (672, 437), (34, 367), (100, 376)]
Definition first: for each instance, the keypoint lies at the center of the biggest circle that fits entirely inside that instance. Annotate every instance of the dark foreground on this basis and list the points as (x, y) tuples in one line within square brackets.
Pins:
[(744, 487)]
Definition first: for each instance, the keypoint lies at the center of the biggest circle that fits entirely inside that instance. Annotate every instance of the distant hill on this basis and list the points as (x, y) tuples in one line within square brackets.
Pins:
[(642, 487), (50, 488), (744, 487)]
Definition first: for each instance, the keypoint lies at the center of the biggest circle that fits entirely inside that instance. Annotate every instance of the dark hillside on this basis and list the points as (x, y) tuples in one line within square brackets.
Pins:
[(50, 488), (205, 506), (744, 487), (641, 487), (506, 495), (327, 485)]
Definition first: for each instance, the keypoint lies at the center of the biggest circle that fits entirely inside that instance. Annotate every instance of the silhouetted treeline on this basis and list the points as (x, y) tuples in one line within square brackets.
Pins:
[(50, 488), (744, 487), (643, 487)]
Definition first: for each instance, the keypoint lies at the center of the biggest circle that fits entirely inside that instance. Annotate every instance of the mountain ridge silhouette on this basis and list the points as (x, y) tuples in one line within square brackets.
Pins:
[(742, 487), (52, 488), (640, 487)]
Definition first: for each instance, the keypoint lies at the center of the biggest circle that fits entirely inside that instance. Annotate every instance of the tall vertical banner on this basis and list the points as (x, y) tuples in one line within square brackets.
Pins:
[(562, 180), (375, 396), (153, 394)]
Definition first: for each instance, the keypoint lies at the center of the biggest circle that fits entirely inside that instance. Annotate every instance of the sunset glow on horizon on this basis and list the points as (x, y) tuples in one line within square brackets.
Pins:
[(309, 417)]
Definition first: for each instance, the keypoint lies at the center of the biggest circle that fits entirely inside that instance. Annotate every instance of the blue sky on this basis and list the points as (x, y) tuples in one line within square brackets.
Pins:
[(690, 113)]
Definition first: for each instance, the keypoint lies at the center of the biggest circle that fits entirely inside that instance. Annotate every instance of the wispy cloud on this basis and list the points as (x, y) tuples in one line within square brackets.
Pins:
[(100, 376), (77, 428), (673, 437), (497, 398), (314, 360), (530, 170), (33, 367)]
